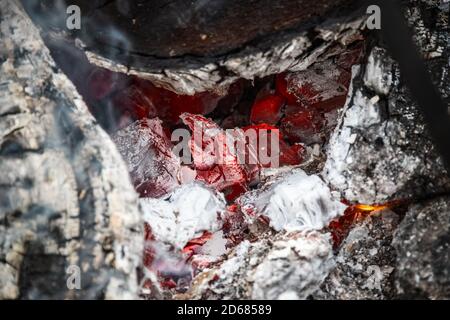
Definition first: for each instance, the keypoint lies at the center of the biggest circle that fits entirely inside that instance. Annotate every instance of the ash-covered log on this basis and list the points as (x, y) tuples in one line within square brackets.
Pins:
[(66, 200), (422, 245), (168, 28), (381, 150)]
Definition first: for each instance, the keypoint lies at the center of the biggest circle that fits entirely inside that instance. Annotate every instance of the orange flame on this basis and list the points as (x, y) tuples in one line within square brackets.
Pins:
[(367, 207), (354, 213)]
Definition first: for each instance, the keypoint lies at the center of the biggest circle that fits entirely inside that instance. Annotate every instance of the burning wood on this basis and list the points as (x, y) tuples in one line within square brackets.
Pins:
[(65, 197), (272, 172), (340, 227)]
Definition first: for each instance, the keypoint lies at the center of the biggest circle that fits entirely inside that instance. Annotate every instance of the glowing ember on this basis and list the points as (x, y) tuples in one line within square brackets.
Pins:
[(303, 126), (171, 105), (288, 154), (292, 110), (365, 207), (194, 244), (341, 226), (283, 90), (267, 110), (221, 171)]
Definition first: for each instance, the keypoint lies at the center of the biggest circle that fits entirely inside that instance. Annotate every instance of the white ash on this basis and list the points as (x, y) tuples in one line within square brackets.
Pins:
[(379, 73), (185, 214), (229, 279), (293, 201), (216, 246), (220, 282), (289, 295), (293, 265), (237, 263)]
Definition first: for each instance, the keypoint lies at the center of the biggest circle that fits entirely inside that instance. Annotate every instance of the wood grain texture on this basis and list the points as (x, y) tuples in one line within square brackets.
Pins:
[(65, 194)]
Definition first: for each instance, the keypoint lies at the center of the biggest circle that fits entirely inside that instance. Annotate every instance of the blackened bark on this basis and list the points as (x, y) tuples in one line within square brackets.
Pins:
[(300, 39), (174, 28)]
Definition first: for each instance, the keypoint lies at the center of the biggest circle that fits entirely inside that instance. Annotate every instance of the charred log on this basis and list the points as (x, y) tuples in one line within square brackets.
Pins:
[(382, 149), (65, 194), (253, 48), (422, 247), (167, 29)]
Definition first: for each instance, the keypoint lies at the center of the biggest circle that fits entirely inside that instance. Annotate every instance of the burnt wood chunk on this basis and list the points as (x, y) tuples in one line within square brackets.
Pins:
[(208, 51), (168, 28), (66, 201)]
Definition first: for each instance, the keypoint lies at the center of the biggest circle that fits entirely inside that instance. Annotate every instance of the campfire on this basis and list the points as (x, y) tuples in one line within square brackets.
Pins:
[(297, 169)]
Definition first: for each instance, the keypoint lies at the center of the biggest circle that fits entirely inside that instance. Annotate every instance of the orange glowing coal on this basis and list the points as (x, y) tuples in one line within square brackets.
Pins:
[(370, 208), (341, 226)]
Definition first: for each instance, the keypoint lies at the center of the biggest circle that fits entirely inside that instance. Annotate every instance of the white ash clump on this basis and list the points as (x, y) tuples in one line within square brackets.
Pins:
[(293, 201), (292, 265), (381, 150), (422, 244), (365, 262), (215, 247), (184, 214)]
